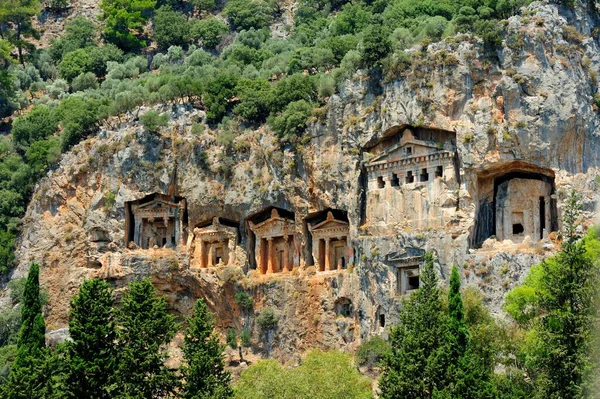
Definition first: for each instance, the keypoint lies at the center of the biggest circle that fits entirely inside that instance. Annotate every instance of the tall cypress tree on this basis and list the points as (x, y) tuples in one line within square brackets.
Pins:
[(569, 285), (92, 353), (27, 379), (415, 368), (467, 375), (145, 330), (204, 373)]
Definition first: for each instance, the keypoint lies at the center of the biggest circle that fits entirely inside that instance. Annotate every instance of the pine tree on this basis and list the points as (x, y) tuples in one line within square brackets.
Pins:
[(204, 373), (27, 379), (145, 329), (92, 353), (415, 368)]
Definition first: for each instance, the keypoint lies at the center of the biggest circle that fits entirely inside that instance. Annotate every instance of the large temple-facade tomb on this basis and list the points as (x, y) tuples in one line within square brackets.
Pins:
[(330, 248), (214, 245), (412, 178), (275, 246), (157, 221)]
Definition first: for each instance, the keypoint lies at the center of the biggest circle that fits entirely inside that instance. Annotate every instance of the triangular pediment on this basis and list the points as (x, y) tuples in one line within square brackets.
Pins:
[(273, 222), (157, 204), (398, 151), (330, 224)]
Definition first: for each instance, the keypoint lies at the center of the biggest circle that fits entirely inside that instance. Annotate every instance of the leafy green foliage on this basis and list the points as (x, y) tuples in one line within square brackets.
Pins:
[(15, 18), (92, 353), (372, 352), (414, 367), (170, 28), (244, 301), (204, 373), (145, 328), (246, 14), (557, 308), (292, 121), (79, 33), (153, 121), (218, 94), (37, 125), (209, 31), (124, 21), (25, 379), (267, 319), (317, 377)]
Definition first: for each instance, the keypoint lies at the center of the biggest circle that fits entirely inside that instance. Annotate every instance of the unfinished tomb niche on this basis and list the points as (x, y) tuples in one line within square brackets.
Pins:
[(407, 264), (329, 237), (156, 220), (412, 178), (274, 240), (214, 243), (515, 201)]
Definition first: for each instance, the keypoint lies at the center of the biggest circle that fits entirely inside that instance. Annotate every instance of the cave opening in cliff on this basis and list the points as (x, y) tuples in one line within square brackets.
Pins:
[(343, 307), (328, 234), (382, 320), (157, 220), (515, 200), (272, 240)]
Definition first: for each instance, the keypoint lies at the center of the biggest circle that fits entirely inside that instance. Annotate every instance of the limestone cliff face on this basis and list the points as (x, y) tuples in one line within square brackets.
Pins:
[(527, 113)]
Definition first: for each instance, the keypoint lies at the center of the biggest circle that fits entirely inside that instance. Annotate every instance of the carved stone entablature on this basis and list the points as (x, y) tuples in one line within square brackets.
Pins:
[(214, 245), (330, 243), (409, 255), (156, 220)]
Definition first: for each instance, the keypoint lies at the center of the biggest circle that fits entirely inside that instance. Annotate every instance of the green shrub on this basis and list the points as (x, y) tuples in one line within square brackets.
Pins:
[(209, 31), (320, 375), (79, 33), (267, 319), (371, 352), (246, 14), (154, 120), (292, 120), (74, 64), (217, 95), (38, 124), (244, 301), (84, 81), (170, 28)]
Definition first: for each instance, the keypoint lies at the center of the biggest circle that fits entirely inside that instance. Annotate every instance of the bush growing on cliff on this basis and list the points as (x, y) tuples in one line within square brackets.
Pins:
[(372, 352), (153, 121)]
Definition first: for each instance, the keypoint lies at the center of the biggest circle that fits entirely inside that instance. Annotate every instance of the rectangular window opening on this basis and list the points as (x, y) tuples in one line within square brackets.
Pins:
[(439, 171), (395, 180), (424, 175), (409, 177), (380, 182)]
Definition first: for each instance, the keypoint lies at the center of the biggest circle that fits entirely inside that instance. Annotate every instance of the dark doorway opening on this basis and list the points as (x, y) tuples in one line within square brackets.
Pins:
[(542, 216), (517, 228)]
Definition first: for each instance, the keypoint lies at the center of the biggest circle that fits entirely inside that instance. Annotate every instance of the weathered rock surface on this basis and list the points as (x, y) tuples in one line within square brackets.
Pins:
[(533, 105)]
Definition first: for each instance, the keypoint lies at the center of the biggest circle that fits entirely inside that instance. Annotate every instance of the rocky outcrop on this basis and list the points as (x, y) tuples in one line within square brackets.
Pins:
[(526, 111)]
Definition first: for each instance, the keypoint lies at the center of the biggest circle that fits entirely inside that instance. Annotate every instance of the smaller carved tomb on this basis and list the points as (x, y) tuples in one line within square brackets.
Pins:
[(214, 243), (407, 263), (329, 238), (515, 201), (156, 220), (411, 177), (274, 240)]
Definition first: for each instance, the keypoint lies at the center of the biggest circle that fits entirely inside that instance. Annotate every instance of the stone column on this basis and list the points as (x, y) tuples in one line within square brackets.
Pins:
[(178, 236), (210, 254), (202, 253), (327, 255), (137, 232), (169, 242), (286, 254), (270, 256)]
